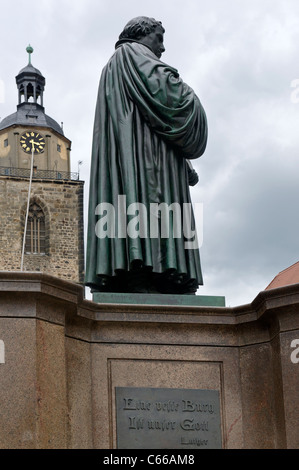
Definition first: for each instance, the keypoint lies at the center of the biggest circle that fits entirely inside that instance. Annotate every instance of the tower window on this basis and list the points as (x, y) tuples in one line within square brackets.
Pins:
[(58, 148), (30, 92), (6, 143), (35, 242)]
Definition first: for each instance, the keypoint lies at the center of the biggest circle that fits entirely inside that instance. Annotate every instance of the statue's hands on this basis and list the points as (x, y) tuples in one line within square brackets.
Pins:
[(193, 178), (192, 175)]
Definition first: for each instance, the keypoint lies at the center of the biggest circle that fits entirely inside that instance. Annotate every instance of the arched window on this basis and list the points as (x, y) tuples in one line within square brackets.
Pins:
[(30, 92), (39, 95), (21, 94), (35, 242)]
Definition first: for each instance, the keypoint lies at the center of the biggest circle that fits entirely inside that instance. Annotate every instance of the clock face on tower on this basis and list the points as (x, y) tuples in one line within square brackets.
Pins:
[(31, 140)]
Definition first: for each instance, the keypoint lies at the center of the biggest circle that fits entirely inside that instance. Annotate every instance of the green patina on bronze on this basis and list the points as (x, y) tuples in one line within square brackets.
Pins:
[(148, 124), (158, 299), (29, 49)]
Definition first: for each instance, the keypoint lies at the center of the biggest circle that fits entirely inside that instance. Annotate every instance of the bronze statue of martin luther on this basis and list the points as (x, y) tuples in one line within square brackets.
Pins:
[(148, 125)]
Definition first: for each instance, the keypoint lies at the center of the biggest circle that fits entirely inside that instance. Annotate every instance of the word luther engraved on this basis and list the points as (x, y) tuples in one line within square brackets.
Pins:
[(167, 418), (2, 352)]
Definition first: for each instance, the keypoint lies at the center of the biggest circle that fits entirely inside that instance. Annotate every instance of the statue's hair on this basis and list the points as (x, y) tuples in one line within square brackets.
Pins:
[(139, 27)]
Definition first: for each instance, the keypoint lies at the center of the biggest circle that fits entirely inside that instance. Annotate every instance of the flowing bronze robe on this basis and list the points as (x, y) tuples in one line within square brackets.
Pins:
[(147, 123)]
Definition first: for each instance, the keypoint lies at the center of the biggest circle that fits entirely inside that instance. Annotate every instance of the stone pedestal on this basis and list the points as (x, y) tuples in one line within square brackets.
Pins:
[(63, 357)]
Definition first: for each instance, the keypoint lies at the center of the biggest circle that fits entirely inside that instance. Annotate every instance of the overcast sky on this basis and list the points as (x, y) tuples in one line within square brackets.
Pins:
[(242, 60)]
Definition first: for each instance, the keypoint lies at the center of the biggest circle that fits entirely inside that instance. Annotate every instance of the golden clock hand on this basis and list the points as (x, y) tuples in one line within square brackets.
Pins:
[(32, 142)]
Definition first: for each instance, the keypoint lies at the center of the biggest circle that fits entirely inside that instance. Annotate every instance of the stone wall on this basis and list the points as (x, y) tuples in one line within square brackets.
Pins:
[(63, 358), (62, 204)]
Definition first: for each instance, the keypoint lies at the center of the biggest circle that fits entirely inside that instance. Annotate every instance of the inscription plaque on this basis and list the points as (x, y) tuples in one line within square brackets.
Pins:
[(166, 418)]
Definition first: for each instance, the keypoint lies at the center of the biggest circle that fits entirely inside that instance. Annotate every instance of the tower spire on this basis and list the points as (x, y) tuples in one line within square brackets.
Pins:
[(30, 83), (29, 49), (30, 108)]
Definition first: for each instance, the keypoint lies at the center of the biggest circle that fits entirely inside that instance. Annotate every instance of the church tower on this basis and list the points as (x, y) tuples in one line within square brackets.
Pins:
[(39, 194)]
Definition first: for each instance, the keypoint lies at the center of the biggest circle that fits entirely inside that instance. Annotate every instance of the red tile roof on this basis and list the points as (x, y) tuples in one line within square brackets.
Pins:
[(289, 275)]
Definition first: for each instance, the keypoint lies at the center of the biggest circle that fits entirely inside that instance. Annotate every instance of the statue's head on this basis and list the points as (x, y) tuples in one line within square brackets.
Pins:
[(146, 30)]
